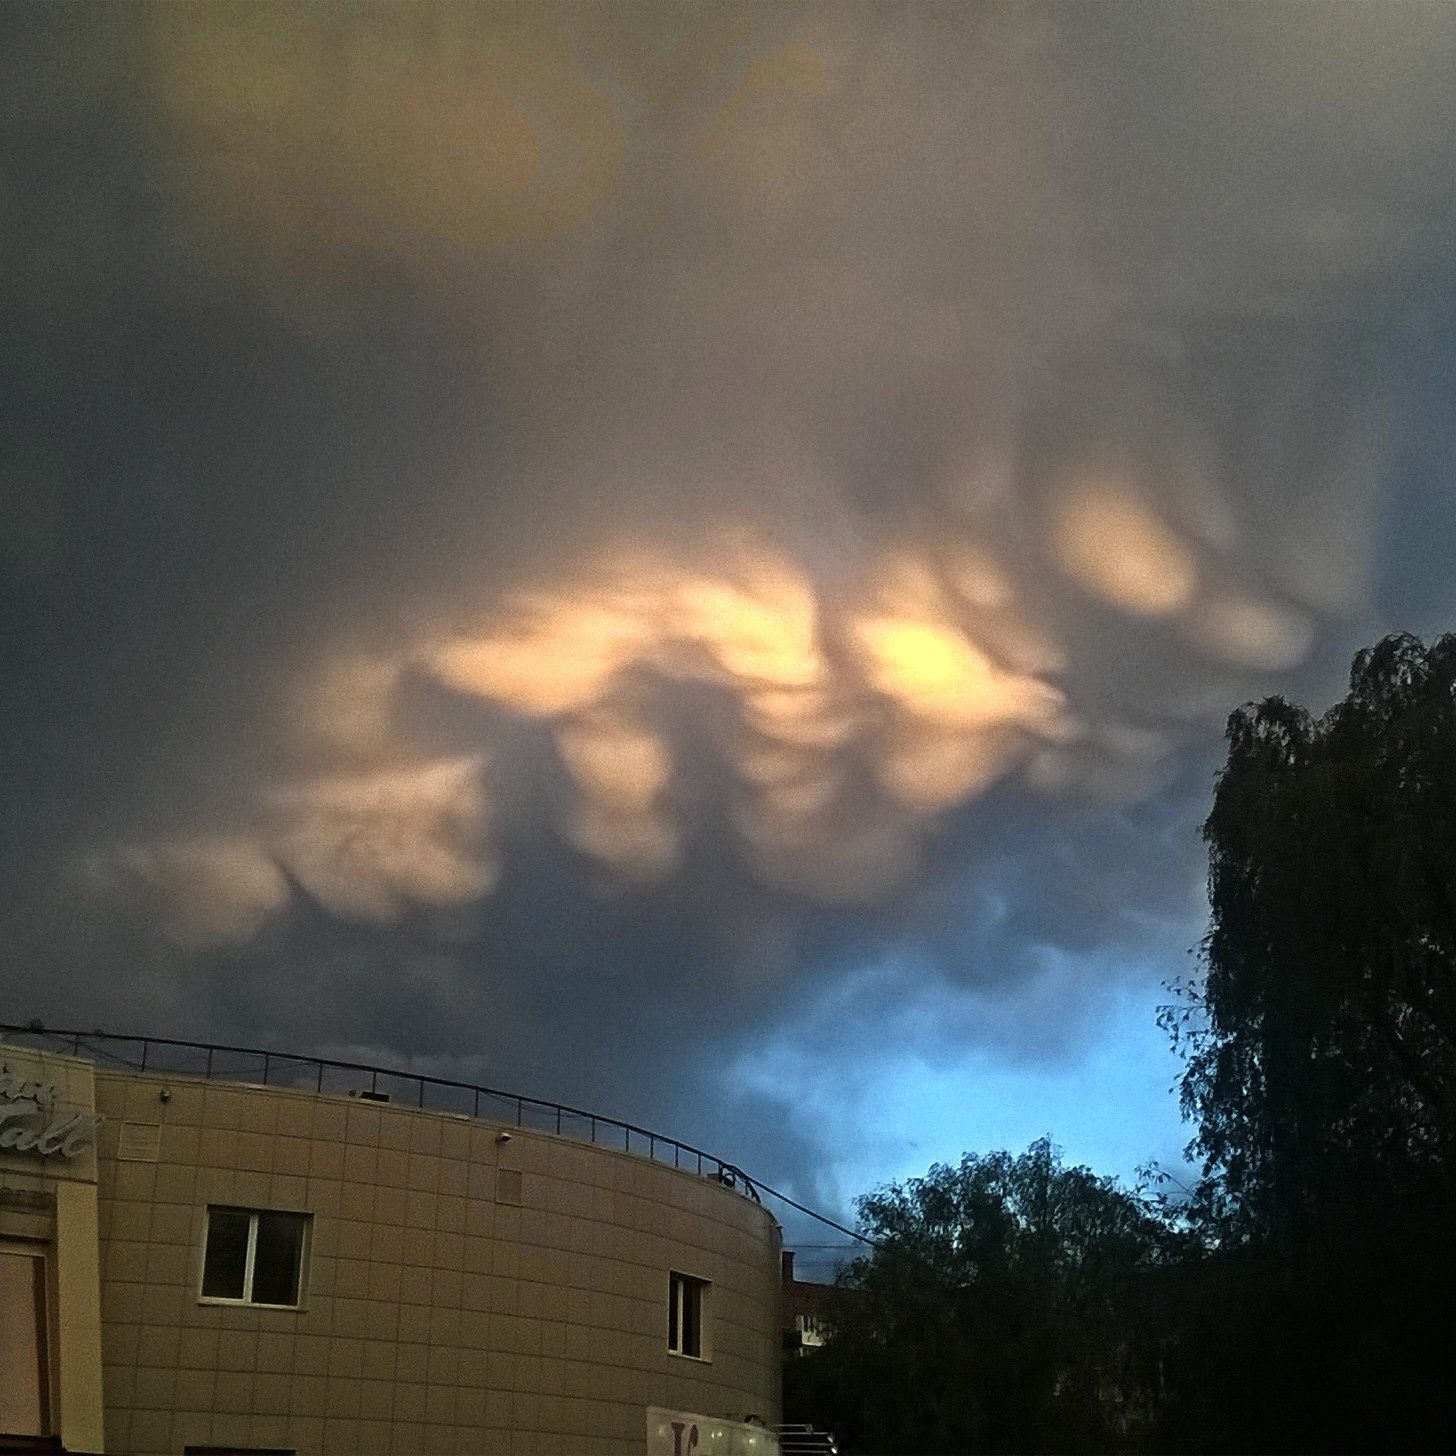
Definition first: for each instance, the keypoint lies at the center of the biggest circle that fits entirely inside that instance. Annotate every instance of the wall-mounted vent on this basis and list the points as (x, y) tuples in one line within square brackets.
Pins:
[(139, 1142), (509, 1186)]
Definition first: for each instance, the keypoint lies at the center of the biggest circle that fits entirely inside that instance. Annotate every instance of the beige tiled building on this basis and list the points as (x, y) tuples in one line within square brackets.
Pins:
[(220, 1267)]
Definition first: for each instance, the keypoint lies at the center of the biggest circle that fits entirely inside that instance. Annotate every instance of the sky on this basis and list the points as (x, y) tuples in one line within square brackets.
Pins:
[(692, 560)]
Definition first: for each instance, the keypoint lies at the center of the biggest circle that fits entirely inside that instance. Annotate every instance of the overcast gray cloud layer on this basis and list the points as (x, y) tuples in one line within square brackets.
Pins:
[(556, 538)]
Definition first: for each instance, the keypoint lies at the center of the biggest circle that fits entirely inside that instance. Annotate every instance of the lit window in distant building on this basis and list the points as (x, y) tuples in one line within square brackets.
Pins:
[(687, 1300), (254, 1257)]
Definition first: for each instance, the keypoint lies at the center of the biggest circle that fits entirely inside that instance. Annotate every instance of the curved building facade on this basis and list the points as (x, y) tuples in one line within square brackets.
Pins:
[(200, 1265)]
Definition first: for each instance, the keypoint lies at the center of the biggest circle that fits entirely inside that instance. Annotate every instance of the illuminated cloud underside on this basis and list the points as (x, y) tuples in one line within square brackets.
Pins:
[(314, 156), (852, 729)]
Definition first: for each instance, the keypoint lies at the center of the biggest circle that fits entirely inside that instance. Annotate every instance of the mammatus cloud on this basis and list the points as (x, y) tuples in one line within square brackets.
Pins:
[(364, 847), (612, 518), (845, 730), (820, 722)]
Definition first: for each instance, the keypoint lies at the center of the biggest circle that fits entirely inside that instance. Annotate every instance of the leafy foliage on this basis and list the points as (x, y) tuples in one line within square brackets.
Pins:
[(1330, 992), (1324, 1079), (997, 1313)]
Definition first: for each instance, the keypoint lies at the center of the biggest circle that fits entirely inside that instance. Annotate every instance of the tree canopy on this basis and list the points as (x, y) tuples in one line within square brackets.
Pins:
[(1330, 995), (1323, 1079), (996, 1314)]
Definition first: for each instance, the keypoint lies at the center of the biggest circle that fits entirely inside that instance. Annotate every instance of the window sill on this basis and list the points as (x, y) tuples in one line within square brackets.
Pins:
[(696, 1359), (218, 1300)]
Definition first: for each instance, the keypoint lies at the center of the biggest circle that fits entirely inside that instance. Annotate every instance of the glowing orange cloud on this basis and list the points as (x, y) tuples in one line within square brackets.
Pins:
[(620, 763), (364, 845), (851, 722), (762, 630), (934, 673), (896, 684), (1110, 543), (560, 658)]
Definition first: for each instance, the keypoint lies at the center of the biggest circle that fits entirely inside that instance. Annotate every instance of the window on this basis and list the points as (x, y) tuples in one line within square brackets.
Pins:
[(687, 1308), (509, 1186), (253, 1257)]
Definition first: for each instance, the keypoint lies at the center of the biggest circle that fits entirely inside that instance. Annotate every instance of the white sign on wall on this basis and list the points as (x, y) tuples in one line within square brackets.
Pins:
[(685, 1433), (30, 1120)]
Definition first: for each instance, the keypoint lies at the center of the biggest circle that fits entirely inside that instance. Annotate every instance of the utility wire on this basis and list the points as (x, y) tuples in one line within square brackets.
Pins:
[(881, 1247)]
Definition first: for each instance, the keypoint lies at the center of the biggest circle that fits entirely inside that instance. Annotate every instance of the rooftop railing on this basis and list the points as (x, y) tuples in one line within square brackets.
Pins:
[(249, 1065)]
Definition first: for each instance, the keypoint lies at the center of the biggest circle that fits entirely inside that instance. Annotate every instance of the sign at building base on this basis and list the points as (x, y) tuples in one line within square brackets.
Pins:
[(687, 1433)]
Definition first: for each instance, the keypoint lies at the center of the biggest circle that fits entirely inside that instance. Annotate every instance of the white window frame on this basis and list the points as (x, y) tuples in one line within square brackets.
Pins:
[(246, 1302), (677, 1285)]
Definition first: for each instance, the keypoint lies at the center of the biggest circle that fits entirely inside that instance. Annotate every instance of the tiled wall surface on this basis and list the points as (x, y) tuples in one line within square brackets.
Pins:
[(435, 1318)]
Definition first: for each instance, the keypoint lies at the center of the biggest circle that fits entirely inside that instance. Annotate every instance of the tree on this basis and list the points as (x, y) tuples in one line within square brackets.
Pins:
[(998, 1312), (1331, 958), (1323, 1079)]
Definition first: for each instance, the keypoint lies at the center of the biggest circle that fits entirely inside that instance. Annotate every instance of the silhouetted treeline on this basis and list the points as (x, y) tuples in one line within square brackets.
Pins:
[(1304, 1298)]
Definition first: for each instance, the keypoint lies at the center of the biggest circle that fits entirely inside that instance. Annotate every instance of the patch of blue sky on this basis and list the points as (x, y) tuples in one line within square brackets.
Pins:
[(910, 1088)]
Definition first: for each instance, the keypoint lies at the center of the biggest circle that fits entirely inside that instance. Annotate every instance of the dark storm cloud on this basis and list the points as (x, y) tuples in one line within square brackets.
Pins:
[(555, 538)]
